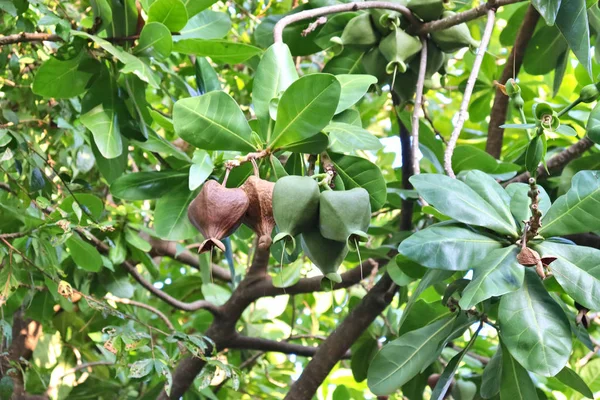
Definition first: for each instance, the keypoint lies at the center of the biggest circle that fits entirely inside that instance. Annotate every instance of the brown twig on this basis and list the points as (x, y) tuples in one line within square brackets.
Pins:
[(144, 306), (462, 112), (418, 106), (25, 37)]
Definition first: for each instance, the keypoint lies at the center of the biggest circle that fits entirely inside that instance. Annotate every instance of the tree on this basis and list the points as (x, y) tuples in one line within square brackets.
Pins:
[(203, 199)]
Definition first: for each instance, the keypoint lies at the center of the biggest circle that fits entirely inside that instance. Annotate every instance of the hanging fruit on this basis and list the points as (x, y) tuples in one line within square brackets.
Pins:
[(427, 10), (397, 48), (295, 208), (435, 60), (359, 33), (344, 216), (217, 212), (259, 216), (326, 254), (405, 85), (374, 64), (454, 38)]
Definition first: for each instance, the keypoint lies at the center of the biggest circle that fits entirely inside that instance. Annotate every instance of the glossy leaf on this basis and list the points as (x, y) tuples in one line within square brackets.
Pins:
[(206, 25), (499, 273), (305, 108), (547, 9), (572, 21), (458, 201), (207, 79), (573, 380), (348, 138), (545, 48), (576, 269), (516, 383), (155, 40), (220, 51), (312, 145), (577, 210), (193, 7), (146, 185), (519, 201), (491, 378), (201, 169), (171, 13), (84, 254), (354, 87), (212, 121), (348, 62), (170, 215), (590, 373), (63, 79), (448, 246), (360, 172), (534, 327), (403, 358)]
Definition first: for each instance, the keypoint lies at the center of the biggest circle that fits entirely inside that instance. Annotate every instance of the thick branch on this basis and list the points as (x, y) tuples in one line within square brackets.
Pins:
[(559, 161), (464, 105), (255, 343), (513, 64)]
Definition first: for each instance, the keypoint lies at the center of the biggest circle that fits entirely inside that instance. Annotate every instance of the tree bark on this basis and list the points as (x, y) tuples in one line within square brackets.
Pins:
[(512, 66)]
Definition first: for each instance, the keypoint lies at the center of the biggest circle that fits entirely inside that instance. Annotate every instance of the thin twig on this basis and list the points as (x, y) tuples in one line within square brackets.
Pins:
[(462, 112), (144, 306), (418, 106), (25, 37)]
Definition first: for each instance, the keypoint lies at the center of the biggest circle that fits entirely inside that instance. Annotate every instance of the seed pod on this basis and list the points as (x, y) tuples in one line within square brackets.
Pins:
[(344, 216), (295, 207), (593, 124), (397, 48), (454, 38), (374, 64), (589, 93), (405, 85), (326, 254), (217, 212), (359, 33), (259, 216), (427, 10), (435, 60), (384, 20)]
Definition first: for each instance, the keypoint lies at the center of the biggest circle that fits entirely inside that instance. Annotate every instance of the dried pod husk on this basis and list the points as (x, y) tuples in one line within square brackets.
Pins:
[(217, 212), (295, 208), (427, 10), (398, 47), (259, 216), (528, 257), (326, 254), (454, 38), (358, 33), (344, 216)]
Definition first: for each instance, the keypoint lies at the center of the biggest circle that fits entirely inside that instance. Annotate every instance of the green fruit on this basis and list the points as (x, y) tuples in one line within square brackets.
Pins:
[(359, 33), (326, 254), (405, 85), (593, 125), (427, 10), (397, 48), (344, 216), (295, 208), (374, 64), (589, 93), (435, 60), (6, 388), (386, 20), (454, 38)]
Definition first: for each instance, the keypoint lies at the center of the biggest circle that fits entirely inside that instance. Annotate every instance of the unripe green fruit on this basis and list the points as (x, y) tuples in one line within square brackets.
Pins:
[(326, 254), (589, 93), (344, 216), (518, 101), (435, 60), (374, 64), (384, 20), (405, 85), (359, 33), (295, 207), (454, 38), (397, 48), (427, 10)]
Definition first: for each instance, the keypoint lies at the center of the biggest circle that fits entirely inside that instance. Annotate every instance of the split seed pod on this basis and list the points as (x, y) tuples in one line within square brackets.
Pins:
[(326, 254), (359, 33), (427, 10), (454, 38), (217, 212), (397, 48), (344, 216), (295, 207), (259, 216)]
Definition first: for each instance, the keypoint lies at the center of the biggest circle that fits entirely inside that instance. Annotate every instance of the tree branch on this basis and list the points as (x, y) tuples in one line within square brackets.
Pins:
[(255, 343), (418, 106), (559, 161), (25, 37), (144, 306), (513, 64), (464, 105)]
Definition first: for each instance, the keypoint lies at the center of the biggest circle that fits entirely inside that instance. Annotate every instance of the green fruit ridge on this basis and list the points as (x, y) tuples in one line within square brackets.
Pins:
[(344, 216)]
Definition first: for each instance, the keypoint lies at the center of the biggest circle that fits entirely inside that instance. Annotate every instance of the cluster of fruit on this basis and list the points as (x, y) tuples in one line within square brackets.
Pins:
[(329, 223), (390, 49)]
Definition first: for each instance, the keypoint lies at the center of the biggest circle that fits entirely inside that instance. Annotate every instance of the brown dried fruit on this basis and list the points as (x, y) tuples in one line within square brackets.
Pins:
[(217, 212), (259, 216), (528, 257)]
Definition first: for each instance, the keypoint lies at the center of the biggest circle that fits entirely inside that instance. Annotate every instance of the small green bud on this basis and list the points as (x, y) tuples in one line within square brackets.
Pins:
[(512, 88), (517, 101), (589, 93)]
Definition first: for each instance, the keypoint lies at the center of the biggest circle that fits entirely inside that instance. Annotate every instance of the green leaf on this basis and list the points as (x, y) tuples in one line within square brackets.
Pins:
[(458, 201), (141, 368), (147, 185), (577, 210), (359, 172), (544, 50), (498, 274), (593, 124), (170, 214), (520, 202), (573, 380), (421, 314), (171, 13), (133, 238), (220, 51), (559, 72), (84, 254), (448, 246), (348, 138), (534, 327), (64, 79), (305, 108), (576, 270), (591, 162), (516, 383), (206, 25), (354, 88), (400, 360), (158, 144), (193, 7), (491, 378), (313, 145), (201, 169), (348, 62), (547, 9), (155, 41), (207, 79), (572, 21), (274, 74), (590, 374), (212, 121)]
